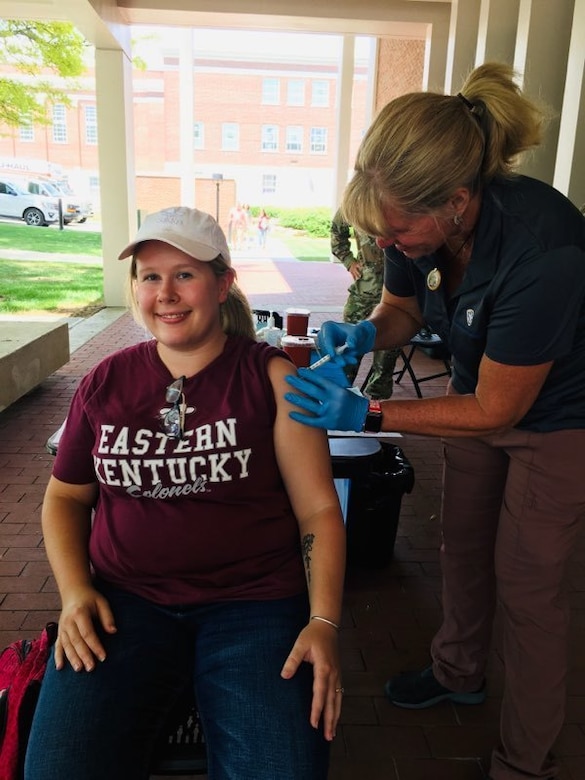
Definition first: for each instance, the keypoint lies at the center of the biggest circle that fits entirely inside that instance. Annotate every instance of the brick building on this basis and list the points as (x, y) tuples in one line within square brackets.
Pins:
[(263, 129)]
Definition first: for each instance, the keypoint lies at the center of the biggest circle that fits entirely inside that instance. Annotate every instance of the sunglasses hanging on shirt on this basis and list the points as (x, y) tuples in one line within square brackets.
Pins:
[(173, 419)]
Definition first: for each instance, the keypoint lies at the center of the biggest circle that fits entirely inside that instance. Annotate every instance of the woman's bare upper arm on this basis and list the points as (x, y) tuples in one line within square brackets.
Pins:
[(506, 393), (302, 452), (408, 305), (84, 495), (396, 319)]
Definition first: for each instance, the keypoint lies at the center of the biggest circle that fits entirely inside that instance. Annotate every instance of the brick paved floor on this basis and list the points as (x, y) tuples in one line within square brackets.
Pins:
[(390, 614)]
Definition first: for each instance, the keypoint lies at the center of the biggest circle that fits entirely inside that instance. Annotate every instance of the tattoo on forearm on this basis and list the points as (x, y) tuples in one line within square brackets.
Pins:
[(307, 544)]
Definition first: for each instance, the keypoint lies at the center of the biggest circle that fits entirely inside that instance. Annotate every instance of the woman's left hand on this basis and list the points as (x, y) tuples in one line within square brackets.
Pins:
[(328, 405), (318, 645)]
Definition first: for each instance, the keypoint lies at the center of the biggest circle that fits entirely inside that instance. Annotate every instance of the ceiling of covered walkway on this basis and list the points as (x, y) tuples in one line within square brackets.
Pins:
[(102, 22)]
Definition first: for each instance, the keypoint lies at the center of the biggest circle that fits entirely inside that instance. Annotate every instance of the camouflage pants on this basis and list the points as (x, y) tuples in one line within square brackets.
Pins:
[(380, 379)]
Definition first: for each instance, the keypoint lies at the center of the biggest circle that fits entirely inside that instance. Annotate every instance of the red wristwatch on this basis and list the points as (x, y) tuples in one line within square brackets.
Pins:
[(373, 421)]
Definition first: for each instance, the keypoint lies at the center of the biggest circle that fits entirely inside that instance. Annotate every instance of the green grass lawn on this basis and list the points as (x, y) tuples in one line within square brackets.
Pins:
[(49, 239), (305, 247), (43, 286), (68, 288)]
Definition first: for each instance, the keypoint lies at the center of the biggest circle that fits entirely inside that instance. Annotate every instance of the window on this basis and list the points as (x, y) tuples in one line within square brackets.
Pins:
[(320, 93), (91, 136), (269, 138), (296, 92), (198, 135), (318, 140), (230, 137), (270, 92), (268, 184), (294, 138), (26, 133), (59, 124)]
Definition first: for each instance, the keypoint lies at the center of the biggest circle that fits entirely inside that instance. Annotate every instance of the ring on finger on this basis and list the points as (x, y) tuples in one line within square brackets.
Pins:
[(340, 690)]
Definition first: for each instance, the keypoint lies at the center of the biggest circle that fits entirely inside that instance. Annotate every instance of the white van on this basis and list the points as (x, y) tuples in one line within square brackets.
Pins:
[(73, 209), (72, 201), (16, 202)]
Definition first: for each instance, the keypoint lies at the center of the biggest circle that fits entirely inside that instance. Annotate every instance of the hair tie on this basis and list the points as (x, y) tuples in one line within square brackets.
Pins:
[(477, 109), (467, 102)]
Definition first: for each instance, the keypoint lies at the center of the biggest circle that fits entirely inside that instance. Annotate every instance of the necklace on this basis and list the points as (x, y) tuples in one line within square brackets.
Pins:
[(463, 245)]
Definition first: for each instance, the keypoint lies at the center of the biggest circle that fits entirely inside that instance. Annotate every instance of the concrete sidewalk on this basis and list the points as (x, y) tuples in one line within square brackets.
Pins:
[(49, 257)]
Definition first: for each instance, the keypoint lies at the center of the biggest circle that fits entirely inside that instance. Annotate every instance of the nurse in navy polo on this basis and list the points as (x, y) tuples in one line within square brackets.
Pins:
[(494, 262)]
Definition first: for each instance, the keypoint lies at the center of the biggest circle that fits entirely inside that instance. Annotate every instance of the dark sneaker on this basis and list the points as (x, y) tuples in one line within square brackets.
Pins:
[(417, 690)]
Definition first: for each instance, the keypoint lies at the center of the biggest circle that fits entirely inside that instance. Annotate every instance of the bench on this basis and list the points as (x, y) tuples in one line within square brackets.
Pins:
[(29, 353)]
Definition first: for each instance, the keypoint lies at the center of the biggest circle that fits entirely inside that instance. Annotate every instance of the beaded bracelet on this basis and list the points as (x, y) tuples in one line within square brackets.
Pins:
[(326, 620)]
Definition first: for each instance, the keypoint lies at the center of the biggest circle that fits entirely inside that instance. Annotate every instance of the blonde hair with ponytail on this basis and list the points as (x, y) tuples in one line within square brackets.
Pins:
[(423, 146)]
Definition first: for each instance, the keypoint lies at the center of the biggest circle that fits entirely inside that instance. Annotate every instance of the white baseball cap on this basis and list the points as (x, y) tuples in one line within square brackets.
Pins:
[(190, 230)]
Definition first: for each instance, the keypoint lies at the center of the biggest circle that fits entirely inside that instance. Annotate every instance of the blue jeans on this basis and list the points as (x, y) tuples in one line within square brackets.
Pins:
[(102, 724)]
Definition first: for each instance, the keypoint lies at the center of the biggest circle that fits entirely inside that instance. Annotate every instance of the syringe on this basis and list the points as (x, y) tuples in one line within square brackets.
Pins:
[(326, 358)]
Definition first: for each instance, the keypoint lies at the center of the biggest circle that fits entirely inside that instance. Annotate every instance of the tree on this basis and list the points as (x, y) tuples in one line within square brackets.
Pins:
[(38, 52)]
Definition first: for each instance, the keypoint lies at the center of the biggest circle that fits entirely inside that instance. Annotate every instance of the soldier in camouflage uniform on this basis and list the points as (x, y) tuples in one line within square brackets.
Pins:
[(367, 270)]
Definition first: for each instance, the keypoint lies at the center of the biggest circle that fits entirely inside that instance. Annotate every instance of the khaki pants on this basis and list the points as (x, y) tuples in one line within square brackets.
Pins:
[(512, 507)]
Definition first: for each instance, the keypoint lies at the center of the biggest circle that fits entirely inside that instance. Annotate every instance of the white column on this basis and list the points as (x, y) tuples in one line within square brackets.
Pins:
[(344, 92), (462, 43), (569, 175), (544, 33), (497, 30), (116, 166), (436, 56), (374, 53), (186, 114)]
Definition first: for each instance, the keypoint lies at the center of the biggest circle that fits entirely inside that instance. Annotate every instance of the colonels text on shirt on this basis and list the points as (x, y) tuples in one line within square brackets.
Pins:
[(139, 461)]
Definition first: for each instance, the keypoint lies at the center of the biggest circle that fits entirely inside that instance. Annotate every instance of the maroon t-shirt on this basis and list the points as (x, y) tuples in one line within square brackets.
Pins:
[(203, 519)]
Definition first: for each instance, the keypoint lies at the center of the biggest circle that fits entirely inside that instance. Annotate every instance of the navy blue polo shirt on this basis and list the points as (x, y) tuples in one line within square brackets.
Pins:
[(521, 301)]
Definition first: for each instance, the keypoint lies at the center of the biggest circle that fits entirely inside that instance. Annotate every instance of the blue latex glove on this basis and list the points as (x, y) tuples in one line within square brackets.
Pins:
[(328, 405), (359, 339), (333, 371)]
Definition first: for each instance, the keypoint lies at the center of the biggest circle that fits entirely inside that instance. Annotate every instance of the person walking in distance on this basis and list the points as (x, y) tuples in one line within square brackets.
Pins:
[(263, 228)]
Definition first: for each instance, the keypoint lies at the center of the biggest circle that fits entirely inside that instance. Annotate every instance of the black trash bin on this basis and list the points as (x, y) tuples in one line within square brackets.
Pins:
[(379, 475)]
